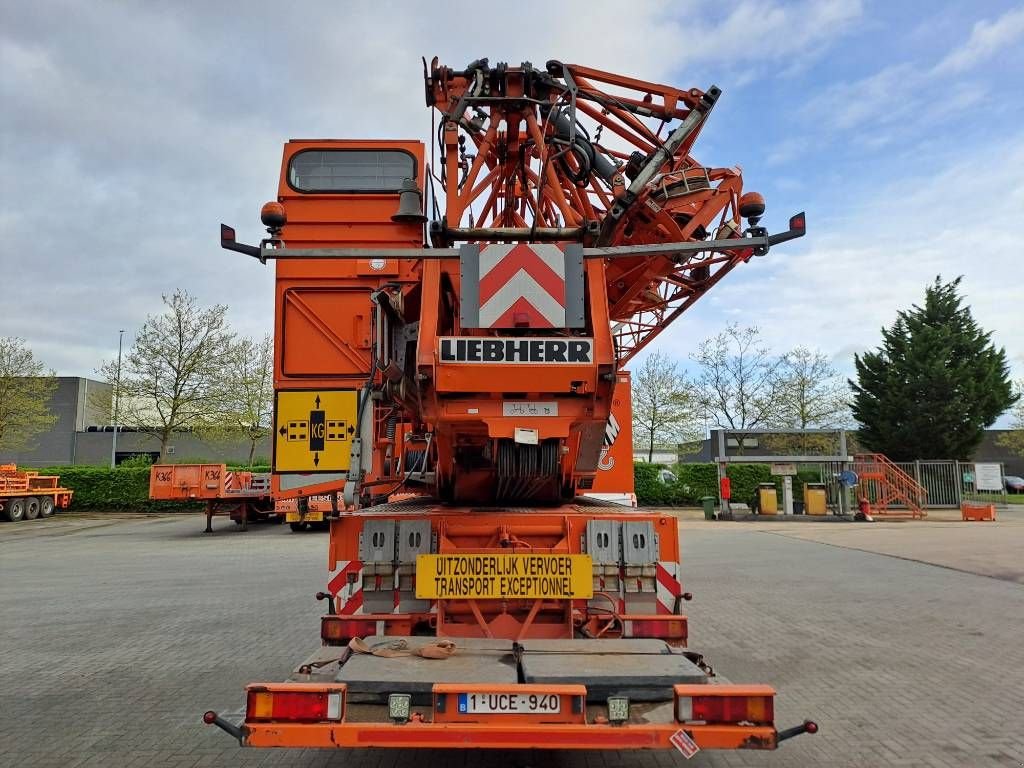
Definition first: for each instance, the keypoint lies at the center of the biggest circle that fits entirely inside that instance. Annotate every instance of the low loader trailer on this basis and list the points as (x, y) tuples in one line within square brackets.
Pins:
[(452, 341), (26, 495), (240, 495)]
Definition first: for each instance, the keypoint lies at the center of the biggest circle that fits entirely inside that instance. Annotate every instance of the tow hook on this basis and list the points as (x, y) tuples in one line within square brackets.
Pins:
[(330, 601), (808, 726), (212, 718)]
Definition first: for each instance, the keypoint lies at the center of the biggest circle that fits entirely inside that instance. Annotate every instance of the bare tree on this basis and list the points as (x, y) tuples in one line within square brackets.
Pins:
[(247, 407), (1014, 439), (172, 377), (738, 386), (810, 393), (663, 404), (26, 387)]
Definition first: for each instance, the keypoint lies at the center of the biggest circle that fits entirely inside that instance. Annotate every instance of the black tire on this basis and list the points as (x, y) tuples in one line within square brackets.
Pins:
[(46, 506), (14, 509), (298, 527), (31, 507)]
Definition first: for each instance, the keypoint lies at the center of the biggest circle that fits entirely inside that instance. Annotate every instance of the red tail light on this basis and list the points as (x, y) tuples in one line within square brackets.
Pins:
[(725, 704), (296, 706), (666, 627), (339, 629)]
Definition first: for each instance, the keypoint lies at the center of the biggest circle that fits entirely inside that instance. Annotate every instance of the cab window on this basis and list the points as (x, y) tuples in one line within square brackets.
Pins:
[(350, 170)]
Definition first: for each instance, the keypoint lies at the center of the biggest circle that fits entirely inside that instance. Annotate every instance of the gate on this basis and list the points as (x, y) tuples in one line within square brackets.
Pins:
[(948, 482), (941, 478)]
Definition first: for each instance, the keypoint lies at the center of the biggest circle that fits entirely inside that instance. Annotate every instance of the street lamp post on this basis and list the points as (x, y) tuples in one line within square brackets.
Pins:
[(117, 392)]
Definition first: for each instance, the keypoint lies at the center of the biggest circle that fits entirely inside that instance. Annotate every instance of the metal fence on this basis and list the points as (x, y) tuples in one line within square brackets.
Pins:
[(948, 482)]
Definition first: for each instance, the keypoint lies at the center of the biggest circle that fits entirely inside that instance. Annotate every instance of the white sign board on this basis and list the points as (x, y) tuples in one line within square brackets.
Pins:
[(783, 469), (528, 408), (988, 477)]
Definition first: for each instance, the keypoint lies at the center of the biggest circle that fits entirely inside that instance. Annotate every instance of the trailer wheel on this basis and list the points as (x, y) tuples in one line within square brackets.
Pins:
[(45, 506), (14, 509), (31, 507), (298, 527)]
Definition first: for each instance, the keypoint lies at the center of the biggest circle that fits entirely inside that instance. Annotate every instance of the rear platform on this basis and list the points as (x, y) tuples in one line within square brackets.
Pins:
[(642, 669)]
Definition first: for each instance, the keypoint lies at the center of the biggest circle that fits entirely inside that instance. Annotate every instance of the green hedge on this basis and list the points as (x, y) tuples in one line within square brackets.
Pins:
[(127, 488), (694, 481)]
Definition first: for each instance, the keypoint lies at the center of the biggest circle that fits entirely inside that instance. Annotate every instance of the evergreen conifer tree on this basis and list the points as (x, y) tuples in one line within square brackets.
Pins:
[(935, 383)]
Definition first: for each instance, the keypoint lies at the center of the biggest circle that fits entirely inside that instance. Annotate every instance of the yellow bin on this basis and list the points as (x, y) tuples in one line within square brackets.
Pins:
[(767, 499), (815, 502)]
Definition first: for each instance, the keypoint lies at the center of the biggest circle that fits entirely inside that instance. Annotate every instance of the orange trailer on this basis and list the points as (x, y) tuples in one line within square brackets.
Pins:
[(26, 495), (240, 495), (456, 334)]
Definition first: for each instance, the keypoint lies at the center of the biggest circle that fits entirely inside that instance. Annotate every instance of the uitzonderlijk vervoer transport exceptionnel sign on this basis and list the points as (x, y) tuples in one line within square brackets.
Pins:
[(496, 576)]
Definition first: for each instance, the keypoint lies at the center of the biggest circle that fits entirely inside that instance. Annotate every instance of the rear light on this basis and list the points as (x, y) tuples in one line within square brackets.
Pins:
[(295, 705), (664, 627), (725, 704), (338, 629)]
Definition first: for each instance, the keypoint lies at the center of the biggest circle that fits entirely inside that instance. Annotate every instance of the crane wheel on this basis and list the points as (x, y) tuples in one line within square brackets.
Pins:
[(14, 509), (46, 506), (31, 507)]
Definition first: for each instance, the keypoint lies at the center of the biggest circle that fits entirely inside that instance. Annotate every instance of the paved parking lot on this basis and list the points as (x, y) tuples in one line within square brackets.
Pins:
[(118, 634)]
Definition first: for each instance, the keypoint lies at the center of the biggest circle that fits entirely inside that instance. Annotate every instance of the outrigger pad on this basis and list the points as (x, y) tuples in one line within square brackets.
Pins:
[(644, 670)]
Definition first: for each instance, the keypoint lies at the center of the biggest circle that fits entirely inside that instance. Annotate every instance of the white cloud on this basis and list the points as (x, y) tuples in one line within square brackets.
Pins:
[(903, 98), (986, 40), (130, 131), (858, 269)]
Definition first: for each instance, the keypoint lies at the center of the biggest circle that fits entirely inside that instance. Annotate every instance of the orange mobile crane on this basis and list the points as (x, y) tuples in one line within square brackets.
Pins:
[(469, 352)]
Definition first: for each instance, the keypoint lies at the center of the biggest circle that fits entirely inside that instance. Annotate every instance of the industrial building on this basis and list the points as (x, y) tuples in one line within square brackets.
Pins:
[(83, 434)]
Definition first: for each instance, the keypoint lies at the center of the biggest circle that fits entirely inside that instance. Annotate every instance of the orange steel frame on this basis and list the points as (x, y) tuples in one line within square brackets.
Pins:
[(510, 168), (644, 294), (526, 174), (557, 531)]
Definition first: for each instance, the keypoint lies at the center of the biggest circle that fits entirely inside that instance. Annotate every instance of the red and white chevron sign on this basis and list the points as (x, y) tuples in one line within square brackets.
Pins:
[(522, 285)]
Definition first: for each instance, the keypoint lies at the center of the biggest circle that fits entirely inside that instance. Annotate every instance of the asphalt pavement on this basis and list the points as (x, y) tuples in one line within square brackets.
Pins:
[(118, 632)]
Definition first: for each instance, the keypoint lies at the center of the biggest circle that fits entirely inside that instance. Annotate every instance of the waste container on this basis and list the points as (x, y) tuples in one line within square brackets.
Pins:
[(709, 507), (815, 502), (767, 499)]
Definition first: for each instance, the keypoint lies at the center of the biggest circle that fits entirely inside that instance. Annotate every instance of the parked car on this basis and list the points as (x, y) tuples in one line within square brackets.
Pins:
[(667, 476), (1013, 483)]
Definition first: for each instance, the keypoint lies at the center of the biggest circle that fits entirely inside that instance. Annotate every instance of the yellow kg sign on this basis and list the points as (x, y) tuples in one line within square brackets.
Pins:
[(313, 430)]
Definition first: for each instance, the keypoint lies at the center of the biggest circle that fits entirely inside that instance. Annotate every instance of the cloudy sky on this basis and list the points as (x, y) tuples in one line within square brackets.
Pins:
[(129, 130)]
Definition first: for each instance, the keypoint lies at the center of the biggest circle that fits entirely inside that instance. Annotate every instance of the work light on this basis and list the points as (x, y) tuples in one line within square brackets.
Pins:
[(618, 709), (399, 705)]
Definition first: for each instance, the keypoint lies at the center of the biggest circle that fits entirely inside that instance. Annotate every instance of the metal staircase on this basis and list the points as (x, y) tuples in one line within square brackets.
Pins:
[(884, 485)]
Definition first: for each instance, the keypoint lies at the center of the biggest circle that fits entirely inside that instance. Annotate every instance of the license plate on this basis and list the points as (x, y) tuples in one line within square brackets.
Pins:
[(509, 703)]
